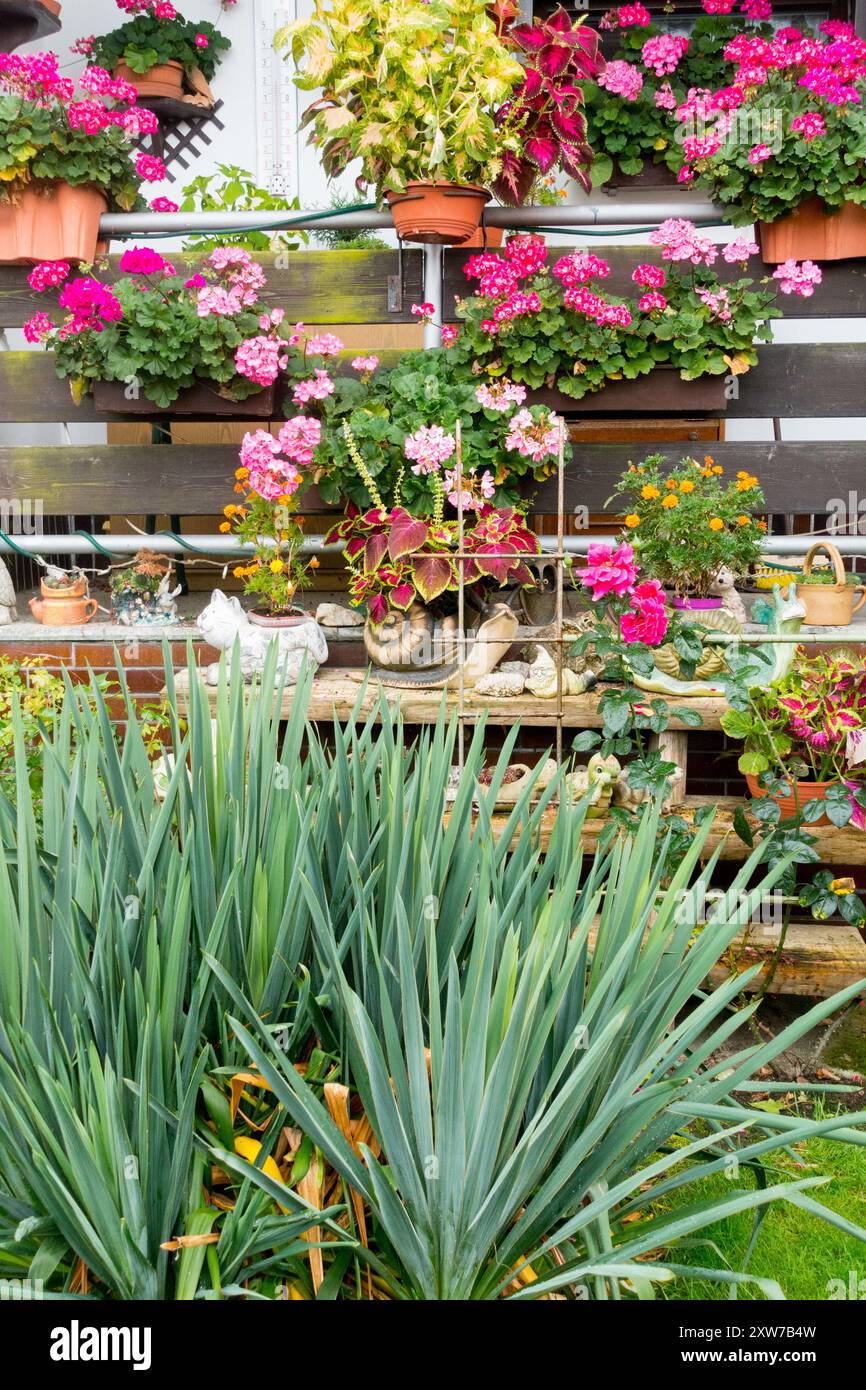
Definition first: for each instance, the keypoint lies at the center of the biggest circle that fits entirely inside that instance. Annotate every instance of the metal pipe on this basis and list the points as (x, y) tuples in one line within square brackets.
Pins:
[(433, 261), (579, 215), (227, 545)]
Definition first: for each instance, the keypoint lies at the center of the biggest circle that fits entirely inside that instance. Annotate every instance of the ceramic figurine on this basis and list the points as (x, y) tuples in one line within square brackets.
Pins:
[(224, 621), (632, 798), (598, 778), (724, 587)]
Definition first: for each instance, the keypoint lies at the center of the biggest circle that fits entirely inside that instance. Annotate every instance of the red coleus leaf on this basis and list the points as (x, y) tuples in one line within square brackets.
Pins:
[(541, 151), (377, 608), (532, 83), (374, 551), (432, 575), (575, 160), (530, 37), (559, 21), (408, 534), (553, 59), (515, 181), (354, 547), (571, 128), (374, 517), (495, 559), (402, 596)]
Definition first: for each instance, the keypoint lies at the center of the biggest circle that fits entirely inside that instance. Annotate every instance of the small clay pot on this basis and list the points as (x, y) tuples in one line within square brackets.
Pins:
[(445, 214), (801, 793), (78, 589), (162, 80), (60, 611)]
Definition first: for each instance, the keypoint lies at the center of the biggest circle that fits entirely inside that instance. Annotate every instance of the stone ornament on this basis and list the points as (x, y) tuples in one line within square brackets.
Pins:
[(224, 622)]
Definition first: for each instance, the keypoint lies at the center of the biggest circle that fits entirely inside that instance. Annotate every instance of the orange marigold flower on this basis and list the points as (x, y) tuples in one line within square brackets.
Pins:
[(632, 519), (314, 564), (671, 501), (716, 524), (241, 473), (225, 526), (649, 492), (687, 485), (743, 520)]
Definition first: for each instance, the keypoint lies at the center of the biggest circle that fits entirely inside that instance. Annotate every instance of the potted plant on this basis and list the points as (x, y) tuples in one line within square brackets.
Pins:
[(800, 173), (799, 736), (66, 583), (65, 157), (688, 524), (649, 75), (828, 597), (140, 595), (159, 340), (558, 330), (268, 480), (160, 52), (436, 105)]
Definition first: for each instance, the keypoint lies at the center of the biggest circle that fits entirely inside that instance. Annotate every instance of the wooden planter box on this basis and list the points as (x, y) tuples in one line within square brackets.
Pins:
[(661, 391), (651, 177), (199, 402)]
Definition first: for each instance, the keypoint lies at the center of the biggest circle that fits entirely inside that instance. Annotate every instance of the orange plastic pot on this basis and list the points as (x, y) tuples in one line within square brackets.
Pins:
[(476, 242), (162, 80), (60, 611), (793, 804), (446, 214), (809, 233), (52, 222)]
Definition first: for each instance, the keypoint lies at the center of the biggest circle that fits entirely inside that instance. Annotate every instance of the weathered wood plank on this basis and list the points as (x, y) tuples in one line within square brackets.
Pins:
[(195, 479), (793, 380), (817, 959), (352, 286)]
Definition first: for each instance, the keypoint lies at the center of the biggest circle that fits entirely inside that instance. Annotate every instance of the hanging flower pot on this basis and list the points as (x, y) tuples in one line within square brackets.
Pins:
[(801, 793), (52, 222), (809, 233), (162, 80), (829, 605), (446, 214)]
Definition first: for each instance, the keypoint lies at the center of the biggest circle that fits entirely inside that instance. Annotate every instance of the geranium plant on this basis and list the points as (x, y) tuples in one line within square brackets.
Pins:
[(556, 326), (651, 72), (49, 131), (788, 124), (268, 481), (687, 523), (160, 332), (157, 33)]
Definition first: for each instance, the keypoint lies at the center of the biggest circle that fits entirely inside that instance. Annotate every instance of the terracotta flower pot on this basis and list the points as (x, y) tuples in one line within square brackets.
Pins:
[(444, 213), (52, 222), (801, 793), (78, 589), (829, 605), (162, 80), (61, 611), (495, 237), (809, 233)]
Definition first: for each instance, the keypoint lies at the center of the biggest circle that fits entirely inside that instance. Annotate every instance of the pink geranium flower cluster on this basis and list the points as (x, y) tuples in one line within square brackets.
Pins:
[(649, 276), (810, 125), (527, 254), (500, 394), (325, 345), (141, 260), (663, 53), (536, 438), (680, 241), (233, 280), (89, 304), (47, 275), (429, 446), (272, 473), (798, 277), (261, 359), (365, 365), (475, 492), (317, 388), (622, 78), (580, 267)]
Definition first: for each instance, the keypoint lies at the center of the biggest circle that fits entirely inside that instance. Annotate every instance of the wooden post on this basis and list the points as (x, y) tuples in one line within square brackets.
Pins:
[(673, 745)]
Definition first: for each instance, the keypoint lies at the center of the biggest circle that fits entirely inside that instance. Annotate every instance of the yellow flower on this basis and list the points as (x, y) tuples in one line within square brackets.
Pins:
[(687, 485), (632, 519), (717, 468), (743, 520), (716, 524), (230, 509), (238, 572), (241, 473), (225, 526), (275, 566), (842, 886), (671, 501), (649, 492)]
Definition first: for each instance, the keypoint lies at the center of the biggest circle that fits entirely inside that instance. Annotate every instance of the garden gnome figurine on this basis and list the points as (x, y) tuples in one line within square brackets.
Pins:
[(8, 612)]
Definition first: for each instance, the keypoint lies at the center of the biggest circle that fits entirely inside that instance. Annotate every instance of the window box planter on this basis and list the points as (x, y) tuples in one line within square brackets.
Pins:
[(54, 222), (661, 391), (809, 233), (22, 21), (198, 402)]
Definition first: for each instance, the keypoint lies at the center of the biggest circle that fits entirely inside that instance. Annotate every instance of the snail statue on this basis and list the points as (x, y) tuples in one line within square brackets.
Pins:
[(785, 618), (542, 681), (418, 651), (598, 779), (224, 622), (632, 798)]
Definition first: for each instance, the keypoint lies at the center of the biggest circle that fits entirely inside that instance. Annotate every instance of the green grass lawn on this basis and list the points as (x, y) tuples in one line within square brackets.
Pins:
[(798, 1250)]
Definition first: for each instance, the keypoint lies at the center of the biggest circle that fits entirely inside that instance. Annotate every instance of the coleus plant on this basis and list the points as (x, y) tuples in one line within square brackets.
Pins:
[(545, 111), (396, 559)]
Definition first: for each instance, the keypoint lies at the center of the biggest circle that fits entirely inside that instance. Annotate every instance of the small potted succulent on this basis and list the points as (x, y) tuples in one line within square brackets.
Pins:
[(801, 173), (140, 592), (801, 739), (438, 107), (688, 524), (66, 583), (155, 339), (66, 157), (160, 52)]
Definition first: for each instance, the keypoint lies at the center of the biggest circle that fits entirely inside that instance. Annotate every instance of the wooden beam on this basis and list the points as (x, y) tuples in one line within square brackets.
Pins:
[(196, 479), (353, 286)]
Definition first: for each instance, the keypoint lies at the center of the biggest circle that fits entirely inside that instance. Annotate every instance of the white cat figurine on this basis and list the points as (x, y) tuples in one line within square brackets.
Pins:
[(224, 621)]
